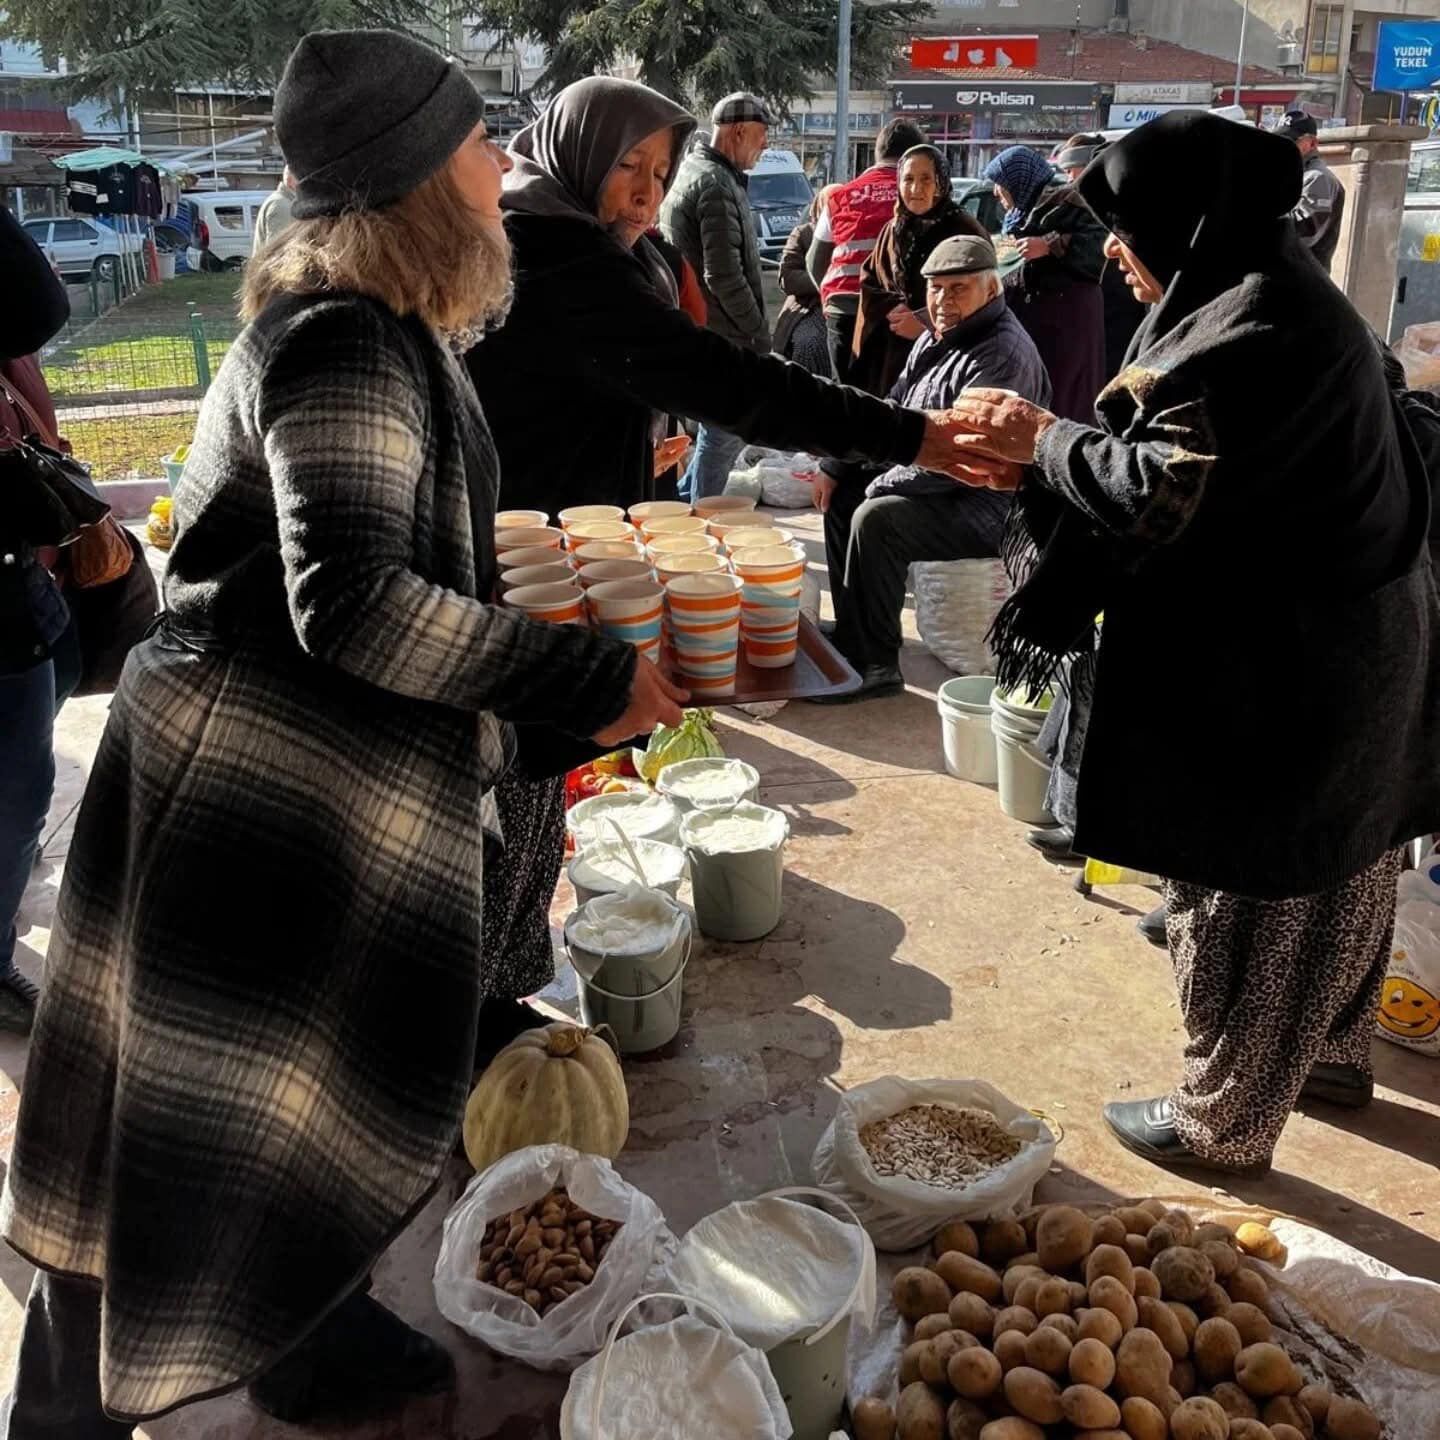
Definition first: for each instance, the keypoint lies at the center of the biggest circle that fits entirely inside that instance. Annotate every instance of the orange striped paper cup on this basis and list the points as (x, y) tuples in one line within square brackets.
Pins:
[(539, 537), (575, 515), (656, 510), (521, 519), (559, 604)]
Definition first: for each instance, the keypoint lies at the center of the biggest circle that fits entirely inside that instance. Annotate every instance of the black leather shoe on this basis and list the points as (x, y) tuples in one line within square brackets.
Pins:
[(1056, 843), (1152, 927), (1344, 1085), (875, 680), (1147, 1127), (362, 1357)]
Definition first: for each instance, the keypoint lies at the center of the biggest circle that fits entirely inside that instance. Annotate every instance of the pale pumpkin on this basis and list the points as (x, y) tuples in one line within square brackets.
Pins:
[(558, 1085)]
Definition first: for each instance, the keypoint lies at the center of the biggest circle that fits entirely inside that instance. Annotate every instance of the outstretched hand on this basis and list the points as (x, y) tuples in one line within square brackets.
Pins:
[(653, 701), (950, 446), (999, 424)]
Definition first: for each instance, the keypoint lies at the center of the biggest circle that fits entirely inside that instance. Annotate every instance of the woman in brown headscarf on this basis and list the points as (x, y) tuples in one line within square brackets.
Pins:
[(892, 289)]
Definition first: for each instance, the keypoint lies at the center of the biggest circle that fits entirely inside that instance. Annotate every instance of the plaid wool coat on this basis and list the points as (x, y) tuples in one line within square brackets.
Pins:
[(255, 1039)]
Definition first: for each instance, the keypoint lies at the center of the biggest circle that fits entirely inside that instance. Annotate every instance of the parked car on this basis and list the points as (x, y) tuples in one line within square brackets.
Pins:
[(978, 197), (79, 247), (780, 196), (229, 216)]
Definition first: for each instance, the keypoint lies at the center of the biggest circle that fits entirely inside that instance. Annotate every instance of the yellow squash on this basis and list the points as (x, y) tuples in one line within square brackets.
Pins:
[(559, 1085)]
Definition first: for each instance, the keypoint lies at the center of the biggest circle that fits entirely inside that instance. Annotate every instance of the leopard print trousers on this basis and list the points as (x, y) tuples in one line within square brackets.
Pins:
[(1267, 988)]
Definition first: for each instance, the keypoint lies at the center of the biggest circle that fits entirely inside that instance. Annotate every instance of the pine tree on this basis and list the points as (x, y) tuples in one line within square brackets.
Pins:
[(114, 47), (699, 50)]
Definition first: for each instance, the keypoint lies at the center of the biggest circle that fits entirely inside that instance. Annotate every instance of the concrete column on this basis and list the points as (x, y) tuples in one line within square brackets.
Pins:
[(1370, 161)]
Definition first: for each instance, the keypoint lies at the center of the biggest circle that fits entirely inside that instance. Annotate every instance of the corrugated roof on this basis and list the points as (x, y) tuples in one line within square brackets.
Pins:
[(1101, 58)]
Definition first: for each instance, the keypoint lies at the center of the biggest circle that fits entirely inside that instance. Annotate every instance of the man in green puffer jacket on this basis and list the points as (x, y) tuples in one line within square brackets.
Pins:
[(707, 218)]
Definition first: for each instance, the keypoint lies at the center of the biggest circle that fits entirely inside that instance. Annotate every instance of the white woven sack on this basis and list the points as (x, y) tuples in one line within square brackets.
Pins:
[(956, 602)]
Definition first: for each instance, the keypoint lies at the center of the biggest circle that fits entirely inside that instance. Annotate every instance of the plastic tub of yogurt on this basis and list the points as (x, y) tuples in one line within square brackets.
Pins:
[(712, 782), (604, 868), (737, 864), (629, 951), (640, 815)]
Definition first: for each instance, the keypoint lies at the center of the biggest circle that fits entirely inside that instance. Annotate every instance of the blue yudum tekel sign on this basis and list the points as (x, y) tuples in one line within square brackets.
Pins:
[(1407, 55)]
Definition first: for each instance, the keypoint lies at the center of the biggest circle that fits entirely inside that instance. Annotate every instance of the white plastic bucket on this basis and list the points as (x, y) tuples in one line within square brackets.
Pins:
[(965, 729), (1022, 772), (664, 867), (640, 815), (713, 782), (638, 992), (737, 892), (742, 1256)]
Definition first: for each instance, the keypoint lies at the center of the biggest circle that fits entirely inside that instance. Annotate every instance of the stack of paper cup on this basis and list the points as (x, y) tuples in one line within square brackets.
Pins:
[(713, 506), (520, 519), (655, 510), (531, 555), (561, 604), (595, 550), (770, 610), (539, 537), (735, 531), (597, 572), (588, 514), (660, 525), (557, 574), (628, 610), (682, 545), (703, 613), (610, 532), (669, 566)]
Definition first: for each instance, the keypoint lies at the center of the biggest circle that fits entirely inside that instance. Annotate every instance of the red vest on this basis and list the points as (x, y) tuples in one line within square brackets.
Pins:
[(858, 211)]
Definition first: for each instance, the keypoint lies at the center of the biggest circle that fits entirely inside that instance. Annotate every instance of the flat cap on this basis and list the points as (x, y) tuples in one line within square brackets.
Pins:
[(739, 109), (960, 255)]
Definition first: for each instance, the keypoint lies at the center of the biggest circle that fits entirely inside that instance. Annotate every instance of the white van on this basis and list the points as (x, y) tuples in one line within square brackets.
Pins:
[(230, 217), (780, 196)]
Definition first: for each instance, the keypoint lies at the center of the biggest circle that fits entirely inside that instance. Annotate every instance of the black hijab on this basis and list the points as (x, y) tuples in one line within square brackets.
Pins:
[(1202, 201)]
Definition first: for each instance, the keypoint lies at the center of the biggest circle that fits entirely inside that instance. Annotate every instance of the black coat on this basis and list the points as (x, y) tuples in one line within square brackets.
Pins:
[(590, 351), (1267, 702)]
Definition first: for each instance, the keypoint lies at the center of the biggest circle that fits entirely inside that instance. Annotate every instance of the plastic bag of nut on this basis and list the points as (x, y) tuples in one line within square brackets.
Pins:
[(551, 1290)]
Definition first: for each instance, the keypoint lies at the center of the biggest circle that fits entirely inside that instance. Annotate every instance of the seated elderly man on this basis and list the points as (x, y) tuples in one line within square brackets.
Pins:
[(879, 523)]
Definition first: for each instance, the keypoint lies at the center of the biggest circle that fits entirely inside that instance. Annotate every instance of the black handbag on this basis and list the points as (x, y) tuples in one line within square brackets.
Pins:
[(110, 620), (50, 493)]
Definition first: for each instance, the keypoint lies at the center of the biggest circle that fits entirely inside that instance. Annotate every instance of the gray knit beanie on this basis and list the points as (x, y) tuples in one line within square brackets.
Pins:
[(364, 116)]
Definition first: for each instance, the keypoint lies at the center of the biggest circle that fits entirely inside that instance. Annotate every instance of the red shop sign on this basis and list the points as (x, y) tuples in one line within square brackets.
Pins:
[(976, 52)]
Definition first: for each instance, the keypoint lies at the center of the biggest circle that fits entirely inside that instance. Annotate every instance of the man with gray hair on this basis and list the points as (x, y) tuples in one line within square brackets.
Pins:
[(707, 217), (878, 524)]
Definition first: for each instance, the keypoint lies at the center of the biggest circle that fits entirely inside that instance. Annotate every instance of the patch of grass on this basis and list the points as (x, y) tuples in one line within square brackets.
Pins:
[(127, 445), (151, 362)]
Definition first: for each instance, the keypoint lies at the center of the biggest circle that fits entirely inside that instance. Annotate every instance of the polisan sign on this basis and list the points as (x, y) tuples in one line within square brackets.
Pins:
[(928, 97)]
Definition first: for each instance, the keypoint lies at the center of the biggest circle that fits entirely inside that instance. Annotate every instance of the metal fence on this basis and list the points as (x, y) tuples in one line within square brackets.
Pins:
[(128, 372)]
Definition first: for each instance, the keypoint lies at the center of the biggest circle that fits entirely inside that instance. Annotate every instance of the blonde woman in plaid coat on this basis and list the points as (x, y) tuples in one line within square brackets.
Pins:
[(253, 1050)]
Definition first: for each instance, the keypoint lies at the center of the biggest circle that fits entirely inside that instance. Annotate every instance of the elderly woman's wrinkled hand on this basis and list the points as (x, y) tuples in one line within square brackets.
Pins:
[(999, 425), (653, 701), (669, 453)]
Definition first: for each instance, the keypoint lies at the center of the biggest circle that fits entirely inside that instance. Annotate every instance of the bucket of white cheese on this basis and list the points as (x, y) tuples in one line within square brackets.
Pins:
[(737, 865), (713, 782)]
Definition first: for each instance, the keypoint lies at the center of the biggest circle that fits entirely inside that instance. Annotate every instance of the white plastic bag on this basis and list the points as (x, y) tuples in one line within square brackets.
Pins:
[(956, 602), (575, 1328), (901, 1213), (674, 1381), (776, 1270)]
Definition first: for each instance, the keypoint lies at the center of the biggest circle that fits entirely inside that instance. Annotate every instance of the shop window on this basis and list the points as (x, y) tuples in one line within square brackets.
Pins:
[(1322, 52)]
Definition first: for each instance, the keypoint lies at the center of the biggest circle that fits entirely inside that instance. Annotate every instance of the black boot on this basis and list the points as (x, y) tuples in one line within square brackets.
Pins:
[(875, 680), (1345, 1085), (1147, 1127), (361, 1357), (1056, 843)]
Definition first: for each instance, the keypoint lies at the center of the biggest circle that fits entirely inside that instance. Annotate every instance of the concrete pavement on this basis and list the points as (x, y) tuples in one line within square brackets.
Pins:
[(921, 936)]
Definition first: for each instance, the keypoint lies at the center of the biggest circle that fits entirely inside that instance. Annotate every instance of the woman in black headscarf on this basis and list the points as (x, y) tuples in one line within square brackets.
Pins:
[(593, 350), (1263, 702), (892, 289)]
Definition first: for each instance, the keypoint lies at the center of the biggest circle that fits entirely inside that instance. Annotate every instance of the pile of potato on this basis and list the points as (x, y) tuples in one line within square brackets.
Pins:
[(1137, 1325)]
